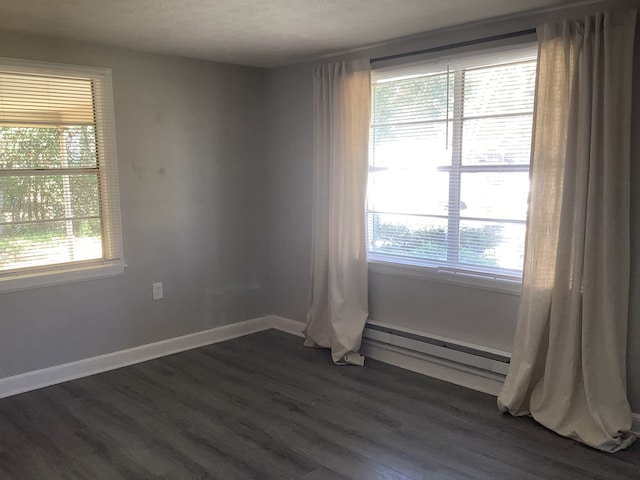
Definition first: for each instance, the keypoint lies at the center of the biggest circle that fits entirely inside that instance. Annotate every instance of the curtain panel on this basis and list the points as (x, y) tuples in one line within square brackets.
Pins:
[(568, 367), (338, 306)]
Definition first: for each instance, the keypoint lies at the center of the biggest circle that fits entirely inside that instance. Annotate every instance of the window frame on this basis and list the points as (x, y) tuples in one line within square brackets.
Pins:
[(501, 279), (112, 261)]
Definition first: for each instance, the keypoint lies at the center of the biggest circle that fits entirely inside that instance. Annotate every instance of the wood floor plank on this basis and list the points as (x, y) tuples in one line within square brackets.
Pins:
[(265, 407)]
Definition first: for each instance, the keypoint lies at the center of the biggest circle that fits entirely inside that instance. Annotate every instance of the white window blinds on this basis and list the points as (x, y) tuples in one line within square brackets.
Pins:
[(449, 162), (58, 179)]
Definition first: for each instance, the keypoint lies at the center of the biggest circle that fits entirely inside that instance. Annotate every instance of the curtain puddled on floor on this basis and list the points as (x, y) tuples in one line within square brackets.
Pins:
[(339, 310), (568, 366)]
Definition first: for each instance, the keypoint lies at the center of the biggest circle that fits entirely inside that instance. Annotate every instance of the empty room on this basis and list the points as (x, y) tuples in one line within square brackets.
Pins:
[(292, 239)]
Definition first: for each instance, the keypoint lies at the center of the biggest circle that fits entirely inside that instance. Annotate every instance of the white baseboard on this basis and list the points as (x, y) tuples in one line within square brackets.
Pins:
[(82, 368), (287, 325), (400, 357), (458, 374)]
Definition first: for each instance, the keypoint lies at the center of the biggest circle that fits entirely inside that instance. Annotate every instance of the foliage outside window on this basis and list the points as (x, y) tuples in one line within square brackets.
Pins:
[(449, 163), (59, 210)]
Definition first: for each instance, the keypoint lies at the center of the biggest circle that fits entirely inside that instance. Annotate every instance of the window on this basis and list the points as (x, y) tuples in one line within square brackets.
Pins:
[(449, 164), (59, 209)]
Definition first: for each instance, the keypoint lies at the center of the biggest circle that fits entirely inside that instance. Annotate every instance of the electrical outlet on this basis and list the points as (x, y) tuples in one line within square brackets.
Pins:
[(157, 291)]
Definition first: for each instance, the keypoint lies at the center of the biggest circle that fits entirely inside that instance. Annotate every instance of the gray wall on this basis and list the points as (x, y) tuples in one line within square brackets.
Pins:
[(191, 162), (476, 316), (290, 180)]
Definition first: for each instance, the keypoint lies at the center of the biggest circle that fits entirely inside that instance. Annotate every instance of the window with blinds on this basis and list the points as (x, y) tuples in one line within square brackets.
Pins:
[(449, 163), (59, 210)]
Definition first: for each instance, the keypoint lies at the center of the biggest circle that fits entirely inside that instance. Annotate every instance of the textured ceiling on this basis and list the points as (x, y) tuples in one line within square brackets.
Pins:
[(251, 32)]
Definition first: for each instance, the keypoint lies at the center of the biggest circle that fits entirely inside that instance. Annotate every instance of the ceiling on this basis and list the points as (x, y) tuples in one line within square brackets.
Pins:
[(263, 33)]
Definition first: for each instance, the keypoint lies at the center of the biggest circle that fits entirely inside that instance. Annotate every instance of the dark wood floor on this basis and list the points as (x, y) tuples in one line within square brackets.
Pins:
[(265, 407)]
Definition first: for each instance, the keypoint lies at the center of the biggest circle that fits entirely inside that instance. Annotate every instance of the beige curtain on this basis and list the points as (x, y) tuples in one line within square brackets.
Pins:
[(338, 310), (568, 364)]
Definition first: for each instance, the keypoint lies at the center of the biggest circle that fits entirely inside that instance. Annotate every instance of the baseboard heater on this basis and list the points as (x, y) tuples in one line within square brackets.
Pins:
[(438, 349)]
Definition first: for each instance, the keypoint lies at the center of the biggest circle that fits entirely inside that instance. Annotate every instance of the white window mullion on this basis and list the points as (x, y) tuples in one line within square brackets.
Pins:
[(66, 185), (453, 229)]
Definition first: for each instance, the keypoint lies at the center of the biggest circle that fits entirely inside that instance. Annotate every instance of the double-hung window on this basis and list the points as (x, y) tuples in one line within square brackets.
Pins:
[(59, 209), (449, 163)]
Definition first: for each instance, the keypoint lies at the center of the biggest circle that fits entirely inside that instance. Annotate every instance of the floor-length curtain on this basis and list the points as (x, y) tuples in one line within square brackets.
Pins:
[(568, 366), (338, 310)]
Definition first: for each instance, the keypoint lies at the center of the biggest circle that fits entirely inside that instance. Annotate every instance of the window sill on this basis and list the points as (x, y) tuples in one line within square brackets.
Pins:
[(387, 266), (58, 276)]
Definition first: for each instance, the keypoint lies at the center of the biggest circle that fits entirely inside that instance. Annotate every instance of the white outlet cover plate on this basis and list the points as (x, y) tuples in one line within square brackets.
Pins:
[(157, 291)]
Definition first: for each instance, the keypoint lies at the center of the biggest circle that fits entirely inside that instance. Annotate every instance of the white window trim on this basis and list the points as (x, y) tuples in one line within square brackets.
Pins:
[(65, 273), (60, 275), (410, 268)]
